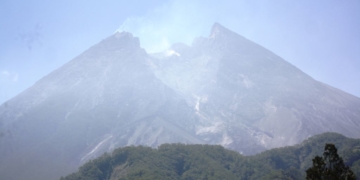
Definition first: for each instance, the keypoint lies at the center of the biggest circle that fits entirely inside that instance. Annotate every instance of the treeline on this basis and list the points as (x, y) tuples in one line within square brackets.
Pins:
[(179, 161)]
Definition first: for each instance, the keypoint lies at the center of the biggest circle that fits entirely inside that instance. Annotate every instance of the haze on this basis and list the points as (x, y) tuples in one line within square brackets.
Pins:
[(321, 38)]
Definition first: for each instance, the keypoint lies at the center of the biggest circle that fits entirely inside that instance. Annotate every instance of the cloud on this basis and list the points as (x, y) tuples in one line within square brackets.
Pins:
[(174, 21), (171, 53), (9, 76), (184, 20)]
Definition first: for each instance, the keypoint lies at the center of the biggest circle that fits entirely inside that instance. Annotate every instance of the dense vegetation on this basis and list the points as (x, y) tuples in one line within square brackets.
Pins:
[(179, 161), (329, 166)]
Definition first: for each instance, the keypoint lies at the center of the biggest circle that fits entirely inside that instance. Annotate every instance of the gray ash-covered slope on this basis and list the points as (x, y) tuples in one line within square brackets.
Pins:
[(251, 99), (105, 98), (223, 90)]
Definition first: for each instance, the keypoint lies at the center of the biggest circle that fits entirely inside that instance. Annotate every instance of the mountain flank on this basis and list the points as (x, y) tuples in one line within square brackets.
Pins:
[(222, 90)]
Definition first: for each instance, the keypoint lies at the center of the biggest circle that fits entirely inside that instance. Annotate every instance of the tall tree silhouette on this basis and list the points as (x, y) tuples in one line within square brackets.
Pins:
[(330, 167)]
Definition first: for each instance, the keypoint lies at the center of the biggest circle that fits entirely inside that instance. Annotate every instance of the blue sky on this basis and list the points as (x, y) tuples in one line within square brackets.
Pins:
[(322, 38)]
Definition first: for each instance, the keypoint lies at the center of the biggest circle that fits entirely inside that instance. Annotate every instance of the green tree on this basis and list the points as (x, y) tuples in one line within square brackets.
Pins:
[(330, 167)]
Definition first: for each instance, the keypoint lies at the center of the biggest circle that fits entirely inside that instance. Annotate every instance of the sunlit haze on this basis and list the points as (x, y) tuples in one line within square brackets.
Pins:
[(322, 38)]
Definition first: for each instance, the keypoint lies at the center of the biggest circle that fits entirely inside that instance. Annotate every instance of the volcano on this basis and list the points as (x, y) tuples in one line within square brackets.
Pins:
[(224, 89)]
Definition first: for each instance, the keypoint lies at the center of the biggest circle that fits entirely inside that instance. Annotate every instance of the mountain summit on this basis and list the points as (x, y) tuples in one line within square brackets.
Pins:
[(218, 31), (223, 89)]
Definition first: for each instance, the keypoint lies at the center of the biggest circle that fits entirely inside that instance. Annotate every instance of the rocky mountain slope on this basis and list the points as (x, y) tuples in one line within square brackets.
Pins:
[(248, 95), (224, 90)]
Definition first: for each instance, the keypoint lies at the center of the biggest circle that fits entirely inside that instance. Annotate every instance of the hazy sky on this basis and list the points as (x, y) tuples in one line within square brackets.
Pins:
[(320, 37)]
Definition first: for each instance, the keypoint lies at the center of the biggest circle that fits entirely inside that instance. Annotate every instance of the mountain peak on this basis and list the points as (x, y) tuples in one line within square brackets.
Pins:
[(218, 30), (121, 40), (123, 34), (224, 90)]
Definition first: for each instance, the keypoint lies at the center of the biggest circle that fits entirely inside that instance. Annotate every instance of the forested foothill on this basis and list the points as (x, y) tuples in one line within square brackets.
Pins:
[(180, 161)]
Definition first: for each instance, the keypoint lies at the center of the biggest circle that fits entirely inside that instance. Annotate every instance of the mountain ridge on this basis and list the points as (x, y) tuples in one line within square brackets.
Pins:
[(222, 90)]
